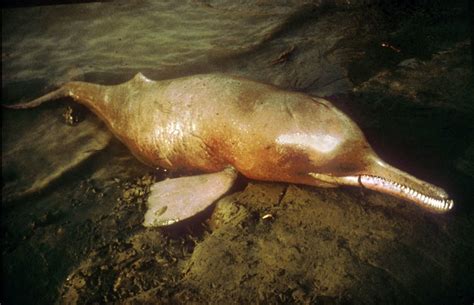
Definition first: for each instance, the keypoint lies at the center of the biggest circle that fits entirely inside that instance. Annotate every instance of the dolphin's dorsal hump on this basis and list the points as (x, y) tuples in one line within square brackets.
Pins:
[(140, 78)]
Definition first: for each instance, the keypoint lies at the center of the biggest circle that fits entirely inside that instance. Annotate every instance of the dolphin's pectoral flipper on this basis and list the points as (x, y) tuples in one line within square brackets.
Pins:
[(173, 200)]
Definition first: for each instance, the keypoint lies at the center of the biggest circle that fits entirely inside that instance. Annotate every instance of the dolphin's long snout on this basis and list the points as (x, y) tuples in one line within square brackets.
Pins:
[(382, 177)]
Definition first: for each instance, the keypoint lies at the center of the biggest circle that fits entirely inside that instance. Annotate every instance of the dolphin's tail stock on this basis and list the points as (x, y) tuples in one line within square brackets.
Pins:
[(56, 94), (90, 95)]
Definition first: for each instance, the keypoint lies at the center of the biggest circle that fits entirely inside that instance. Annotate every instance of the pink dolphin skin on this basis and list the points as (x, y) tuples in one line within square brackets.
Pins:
[(218, 125)]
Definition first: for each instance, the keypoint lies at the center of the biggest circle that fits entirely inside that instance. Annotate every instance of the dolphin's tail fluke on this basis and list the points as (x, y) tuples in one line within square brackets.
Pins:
[(56, 94)]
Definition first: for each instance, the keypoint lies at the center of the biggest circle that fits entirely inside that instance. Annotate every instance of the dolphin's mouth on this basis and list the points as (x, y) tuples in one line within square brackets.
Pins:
[(439, 204), (426, 195)]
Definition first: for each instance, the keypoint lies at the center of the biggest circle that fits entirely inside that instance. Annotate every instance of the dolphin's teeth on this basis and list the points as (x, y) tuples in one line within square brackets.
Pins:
[(441, 203), (428, 201)]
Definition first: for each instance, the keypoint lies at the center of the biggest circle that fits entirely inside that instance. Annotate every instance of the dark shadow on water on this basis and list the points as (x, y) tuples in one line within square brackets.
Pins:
[(423, 141)]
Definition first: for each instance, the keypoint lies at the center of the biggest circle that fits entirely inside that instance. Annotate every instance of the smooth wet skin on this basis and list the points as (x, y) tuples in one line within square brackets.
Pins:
[(210, 123)]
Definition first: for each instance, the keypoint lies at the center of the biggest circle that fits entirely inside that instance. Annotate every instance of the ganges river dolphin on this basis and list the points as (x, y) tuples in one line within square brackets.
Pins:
[(214, 126)]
